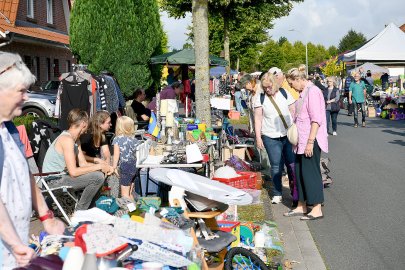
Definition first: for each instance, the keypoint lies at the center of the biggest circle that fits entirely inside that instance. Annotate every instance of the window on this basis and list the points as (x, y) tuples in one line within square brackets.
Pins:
[(28, 61), (49, 11), (68, 66), (56, 72), (30, 8), (48, 69)]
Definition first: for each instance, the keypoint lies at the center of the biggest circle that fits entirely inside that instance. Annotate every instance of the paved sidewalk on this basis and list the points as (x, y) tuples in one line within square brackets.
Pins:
[(300, 248)]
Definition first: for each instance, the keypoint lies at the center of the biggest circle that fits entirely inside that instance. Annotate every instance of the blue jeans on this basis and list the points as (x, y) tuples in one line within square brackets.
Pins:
[(331, 116), (356, 112), (238, 102), (279, 151)]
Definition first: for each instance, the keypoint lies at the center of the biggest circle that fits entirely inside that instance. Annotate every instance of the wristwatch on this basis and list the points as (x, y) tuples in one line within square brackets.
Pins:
[(49, 215)]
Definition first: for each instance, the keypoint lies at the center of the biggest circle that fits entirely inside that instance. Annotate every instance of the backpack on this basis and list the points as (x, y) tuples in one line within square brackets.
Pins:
[(348, 81), (262, 95), (16, 137)]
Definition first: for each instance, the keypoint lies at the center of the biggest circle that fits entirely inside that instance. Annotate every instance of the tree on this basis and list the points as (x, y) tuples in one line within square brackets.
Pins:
[(260, 14), (333, 67), (333, 51), (200, 25), (351, 41), (110, 35)]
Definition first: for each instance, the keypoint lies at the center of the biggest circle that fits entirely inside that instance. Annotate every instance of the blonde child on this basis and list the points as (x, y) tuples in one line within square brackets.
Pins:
[(124, 154)]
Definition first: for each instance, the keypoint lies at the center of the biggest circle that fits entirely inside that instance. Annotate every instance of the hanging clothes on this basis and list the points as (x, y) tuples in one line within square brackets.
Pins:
[(111, 81), (110, 94), (75, 94)]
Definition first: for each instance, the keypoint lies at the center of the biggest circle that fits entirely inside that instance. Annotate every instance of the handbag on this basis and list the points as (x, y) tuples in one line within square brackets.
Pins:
[(334, 107), (292, 131)]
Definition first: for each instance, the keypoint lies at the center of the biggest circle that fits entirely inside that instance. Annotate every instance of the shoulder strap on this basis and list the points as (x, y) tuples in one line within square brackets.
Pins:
[(279, 112), (262, 96), (16, 137), (282, 90)]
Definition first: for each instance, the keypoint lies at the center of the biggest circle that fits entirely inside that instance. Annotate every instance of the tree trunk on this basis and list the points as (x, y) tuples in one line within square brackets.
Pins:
[(226, 41), (200, 29)]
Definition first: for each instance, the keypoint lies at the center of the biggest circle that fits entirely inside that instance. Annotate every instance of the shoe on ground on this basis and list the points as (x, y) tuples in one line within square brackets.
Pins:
[(363, 124), (334, 133), (356, 125), (276, 199)]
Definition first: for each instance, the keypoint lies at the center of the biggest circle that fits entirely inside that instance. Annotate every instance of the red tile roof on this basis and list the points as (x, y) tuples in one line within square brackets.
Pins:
[(35, 32), (9, 9), (402, 27)]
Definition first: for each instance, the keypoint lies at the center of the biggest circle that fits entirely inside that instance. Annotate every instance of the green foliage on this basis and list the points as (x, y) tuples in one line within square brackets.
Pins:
[(248, 22), (332, 67), (333, 51), (377, 82), (26, 120), (351, 41), (117, 36)]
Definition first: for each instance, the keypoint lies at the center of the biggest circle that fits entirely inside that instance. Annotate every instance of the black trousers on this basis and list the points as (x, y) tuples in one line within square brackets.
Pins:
[(309, 178)]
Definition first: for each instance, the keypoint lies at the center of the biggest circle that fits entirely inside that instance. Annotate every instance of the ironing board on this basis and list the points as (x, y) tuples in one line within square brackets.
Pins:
[(200, 185)]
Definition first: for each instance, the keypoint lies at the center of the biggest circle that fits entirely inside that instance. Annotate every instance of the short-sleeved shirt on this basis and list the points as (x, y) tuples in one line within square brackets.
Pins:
[(139, 109), (272, 125), (127, 147), (88, 147), (357, 90)]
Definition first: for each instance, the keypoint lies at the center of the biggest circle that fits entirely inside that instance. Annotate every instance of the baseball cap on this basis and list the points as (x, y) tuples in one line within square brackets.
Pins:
[(245, 79), (275, 70)]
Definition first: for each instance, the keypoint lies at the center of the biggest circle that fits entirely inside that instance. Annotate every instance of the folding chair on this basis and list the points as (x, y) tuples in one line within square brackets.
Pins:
[(43, 182)]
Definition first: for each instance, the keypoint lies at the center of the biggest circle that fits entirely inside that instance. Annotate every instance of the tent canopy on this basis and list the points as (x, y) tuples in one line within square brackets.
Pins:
[(186, 57), (218, 71), (373, 68), (387, 46)]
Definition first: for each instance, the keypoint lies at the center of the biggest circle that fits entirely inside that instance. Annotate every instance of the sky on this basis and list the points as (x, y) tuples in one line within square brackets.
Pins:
[(318, 21)]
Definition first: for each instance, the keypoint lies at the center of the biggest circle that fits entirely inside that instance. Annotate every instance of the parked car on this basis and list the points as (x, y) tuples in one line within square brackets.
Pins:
[(50, 87), (40, 104)]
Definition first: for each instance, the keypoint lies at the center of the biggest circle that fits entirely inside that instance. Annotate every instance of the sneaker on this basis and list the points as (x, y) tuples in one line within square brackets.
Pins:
[(363, 124), (334, 133), (276, 199), (356, 125)]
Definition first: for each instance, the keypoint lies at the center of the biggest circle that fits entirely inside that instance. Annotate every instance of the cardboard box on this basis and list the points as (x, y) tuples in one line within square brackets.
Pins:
[(239, 152)]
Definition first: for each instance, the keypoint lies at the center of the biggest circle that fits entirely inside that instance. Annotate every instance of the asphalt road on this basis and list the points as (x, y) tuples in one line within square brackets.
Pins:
[(364, 224)]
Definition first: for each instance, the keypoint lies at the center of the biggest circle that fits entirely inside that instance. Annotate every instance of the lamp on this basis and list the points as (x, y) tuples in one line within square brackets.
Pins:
[(306, 50)]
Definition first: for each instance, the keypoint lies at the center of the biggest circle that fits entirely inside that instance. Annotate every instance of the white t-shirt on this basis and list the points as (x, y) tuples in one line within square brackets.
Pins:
[(272, 125)]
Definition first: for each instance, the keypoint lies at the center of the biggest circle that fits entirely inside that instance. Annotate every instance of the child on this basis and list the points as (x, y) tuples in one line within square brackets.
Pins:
[(124, 154)]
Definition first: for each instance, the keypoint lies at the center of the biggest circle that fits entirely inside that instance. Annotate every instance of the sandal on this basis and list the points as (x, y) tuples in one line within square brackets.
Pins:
[(310, 217), (292, 213)]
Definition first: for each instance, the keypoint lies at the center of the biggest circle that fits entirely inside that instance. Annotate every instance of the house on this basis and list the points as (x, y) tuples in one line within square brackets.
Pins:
[(38, 31)]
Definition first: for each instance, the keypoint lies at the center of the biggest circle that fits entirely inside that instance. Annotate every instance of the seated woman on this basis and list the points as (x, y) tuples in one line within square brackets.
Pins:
[(65, 153), (95, 146)]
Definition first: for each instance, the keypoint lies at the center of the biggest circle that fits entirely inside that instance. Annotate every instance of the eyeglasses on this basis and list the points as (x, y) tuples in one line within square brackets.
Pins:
[(17, 65)]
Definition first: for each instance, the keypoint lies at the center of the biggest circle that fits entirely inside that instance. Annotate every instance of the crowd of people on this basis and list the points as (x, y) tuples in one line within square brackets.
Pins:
[(275, 102)]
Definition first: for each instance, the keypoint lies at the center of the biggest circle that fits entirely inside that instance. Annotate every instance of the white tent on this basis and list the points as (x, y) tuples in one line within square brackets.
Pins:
[(373, 68), (388, 46)]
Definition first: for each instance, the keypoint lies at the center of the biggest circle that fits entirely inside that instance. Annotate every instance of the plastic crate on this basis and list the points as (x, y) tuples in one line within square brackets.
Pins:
[(246, 180), (230, 227)]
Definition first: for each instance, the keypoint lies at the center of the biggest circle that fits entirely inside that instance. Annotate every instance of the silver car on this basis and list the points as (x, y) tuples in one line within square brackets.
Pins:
[(40, 104)]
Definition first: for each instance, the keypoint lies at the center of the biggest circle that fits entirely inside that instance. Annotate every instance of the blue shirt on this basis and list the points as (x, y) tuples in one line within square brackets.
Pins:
[(357, 90), (127, 147)]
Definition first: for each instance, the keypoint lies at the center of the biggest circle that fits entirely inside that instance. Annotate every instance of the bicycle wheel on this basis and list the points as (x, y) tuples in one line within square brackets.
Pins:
[(240, 258)]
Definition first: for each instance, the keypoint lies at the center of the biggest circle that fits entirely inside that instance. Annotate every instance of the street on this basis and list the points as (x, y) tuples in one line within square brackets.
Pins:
[(364, 219)]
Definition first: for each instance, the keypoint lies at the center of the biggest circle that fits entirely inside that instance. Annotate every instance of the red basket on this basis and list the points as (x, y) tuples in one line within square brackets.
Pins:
[(246, 180)]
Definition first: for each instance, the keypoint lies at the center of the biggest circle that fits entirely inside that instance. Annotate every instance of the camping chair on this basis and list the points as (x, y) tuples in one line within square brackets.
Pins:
[(65, 200), (62, 196)]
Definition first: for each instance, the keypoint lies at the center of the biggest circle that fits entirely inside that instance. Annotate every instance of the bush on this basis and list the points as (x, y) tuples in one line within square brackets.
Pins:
[(377, 82), (26, 120)]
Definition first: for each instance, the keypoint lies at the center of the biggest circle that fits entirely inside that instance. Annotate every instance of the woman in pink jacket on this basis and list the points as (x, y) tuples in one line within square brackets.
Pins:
[(310, 119)]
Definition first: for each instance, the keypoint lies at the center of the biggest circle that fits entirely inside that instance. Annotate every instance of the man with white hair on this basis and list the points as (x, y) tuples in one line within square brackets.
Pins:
[(280, 79)]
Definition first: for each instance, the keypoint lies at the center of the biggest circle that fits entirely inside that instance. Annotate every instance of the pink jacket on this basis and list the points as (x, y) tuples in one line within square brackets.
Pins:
[(312, 110)]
